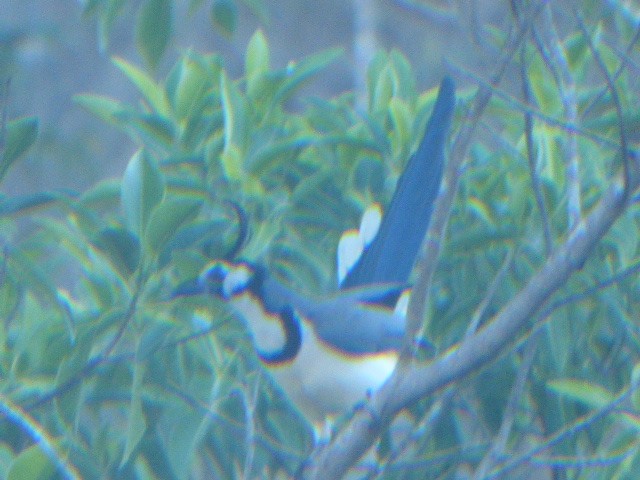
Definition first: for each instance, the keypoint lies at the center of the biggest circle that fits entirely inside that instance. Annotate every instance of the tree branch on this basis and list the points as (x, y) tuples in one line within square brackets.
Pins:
[(411, 383)]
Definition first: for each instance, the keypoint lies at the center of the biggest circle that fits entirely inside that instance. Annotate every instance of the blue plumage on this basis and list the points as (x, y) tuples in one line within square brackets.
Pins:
[(391, 255), (328, 352)]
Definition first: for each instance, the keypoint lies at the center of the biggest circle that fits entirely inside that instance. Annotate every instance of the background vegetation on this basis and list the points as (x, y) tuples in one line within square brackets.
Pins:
[(103, 375)]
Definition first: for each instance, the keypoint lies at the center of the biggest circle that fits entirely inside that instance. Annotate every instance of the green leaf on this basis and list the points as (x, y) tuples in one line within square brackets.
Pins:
[(121, 247), (102, 107), (374, 71), (182, 429), (406, 87), (546, 94), (142, 189), (153, 338), (190, 88), (383, 91), (154, 93), (151, 129), (104, 194), (369, 175), (25, 203), (167, 218), (9, 300), (587, 393), (110, 10), (578, 49), (402, 119), (224, 15), (256, 61), (69, 403), (136, 424), (231, 160), (635, 379), (154, 30), (31, 464), (297, 74), (558, 336), (234, 114), (20, 136), (31, 273)]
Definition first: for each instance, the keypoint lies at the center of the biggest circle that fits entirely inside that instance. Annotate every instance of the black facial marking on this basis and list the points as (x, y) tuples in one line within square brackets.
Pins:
[(214, 278), (293, 339)]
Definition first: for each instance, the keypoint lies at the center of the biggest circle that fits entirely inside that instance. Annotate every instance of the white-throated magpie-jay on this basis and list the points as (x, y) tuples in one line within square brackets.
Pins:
[(328, 352)]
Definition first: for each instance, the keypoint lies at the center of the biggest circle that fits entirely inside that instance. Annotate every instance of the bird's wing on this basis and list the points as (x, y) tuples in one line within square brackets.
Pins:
[(391, 255), (356, 322)]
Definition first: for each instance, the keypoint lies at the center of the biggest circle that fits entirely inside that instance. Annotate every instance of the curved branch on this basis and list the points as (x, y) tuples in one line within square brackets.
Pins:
[(411, 383)]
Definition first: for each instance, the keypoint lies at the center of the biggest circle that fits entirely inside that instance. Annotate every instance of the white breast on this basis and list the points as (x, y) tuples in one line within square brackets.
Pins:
[(266, 328), (321, 381)]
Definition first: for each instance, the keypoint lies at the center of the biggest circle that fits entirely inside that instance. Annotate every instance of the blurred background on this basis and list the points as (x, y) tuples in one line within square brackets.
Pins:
[(52, 52)]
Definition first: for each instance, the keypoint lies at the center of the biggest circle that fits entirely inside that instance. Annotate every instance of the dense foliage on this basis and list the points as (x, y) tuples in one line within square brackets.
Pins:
[(104, 375)]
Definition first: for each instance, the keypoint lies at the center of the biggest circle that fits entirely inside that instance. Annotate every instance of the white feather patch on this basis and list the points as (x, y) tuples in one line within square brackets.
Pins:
[(266, 328), (321, 381), (236, 280), (370, 223), (350, 248), (402, 305), (354, 242)]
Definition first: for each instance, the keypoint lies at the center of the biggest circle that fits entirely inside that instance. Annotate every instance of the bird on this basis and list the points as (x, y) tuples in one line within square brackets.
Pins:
[(329, 352)]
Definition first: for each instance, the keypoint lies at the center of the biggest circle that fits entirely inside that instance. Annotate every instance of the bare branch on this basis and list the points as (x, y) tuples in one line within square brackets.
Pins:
[(559, 64), (614, 97), (517, 392), (430, 250), (578, 425), (411, 383), (533, 165), (334, 459)]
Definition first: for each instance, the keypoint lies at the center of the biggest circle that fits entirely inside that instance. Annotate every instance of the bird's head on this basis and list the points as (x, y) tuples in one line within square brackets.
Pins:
[(222, 279)]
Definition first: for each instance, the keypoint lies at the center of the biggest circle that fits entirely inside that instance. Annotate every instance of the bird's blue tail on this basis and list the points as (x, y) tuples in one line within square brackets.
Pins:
[(391, 255)]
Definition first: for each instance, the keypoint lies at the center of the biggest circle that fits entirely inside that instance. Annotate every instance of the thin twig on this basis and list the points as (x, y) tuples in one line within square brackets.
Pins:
[(625, 60), (356, 438), (44, 441), (624, 149), (92, 363), (520, 106), (250, 404), (365, 44), (482, 308), (566, 86), (426, 261), (492, 341), (422, 431), (513, 404), (533, 165), (577, 426)]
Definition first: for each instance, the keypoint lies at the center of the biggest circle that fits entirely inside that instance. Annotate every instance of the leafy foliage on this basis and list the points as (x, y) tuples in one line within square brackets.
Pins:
[(154, 21), (111, 377), (19, 137)]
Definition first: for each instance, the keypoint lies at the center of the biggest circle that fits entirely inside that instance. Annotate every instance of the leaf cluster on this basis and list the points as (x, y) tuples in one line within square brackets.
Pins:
[(104, 374)]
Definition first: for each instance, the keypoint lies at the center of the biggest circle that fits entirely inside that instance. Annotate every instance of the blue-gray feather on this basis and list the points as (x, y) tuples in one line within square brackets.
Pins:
[(359, 319), (391, 255), (350, 321)]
